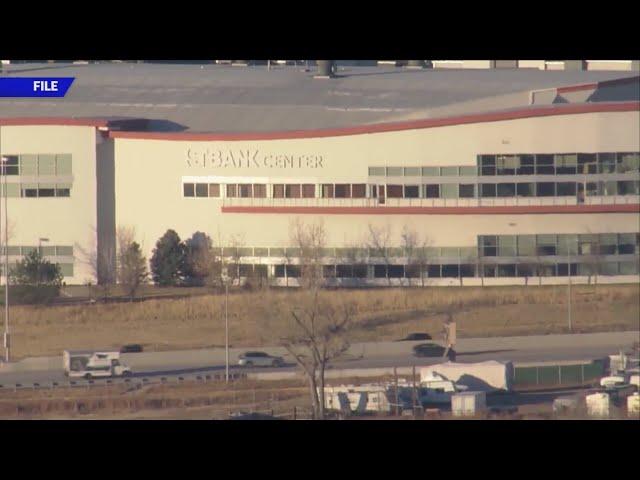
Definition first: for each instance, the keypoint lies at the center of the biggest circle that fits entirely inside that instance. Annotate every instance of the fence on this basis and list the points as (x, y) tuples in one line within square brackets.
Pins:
[(550, 375)]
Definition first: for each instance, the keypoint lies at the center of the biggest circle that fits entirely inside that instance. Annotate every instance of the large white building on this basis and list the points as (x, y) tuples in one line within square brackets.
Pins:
[(501, 176)]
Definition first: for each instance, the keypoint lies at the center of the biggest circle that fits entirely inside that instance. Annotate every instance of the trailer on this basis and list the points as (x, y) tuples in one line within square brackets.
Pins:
[(90, 364), (482, 376)]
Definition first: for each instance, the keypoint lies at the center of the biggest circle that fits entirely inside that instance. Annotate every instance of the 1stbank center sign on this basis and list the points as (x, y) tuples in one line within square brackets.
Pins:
[(251, 159)]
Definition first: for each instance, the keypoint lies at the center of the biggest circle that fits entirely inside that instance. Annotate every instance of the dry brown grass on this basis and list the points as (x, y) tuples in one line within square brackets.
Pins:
[(383, 314)]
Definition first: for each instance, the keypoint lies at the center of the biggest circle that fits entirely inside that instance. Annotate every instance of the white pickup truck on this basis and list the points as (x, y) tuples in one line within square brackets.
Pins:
[(94, 364)]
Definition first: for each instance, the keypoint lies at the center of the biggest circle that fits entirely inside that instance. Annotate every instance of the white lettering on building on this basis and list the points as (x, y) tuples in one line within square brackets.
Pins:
[(250, 158)]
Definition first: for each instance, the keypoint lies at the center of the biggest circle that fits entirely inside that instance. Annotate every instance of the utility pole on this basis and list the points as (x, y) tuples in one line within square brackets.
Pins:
[(7, 342), (225, 279), (569, 289)]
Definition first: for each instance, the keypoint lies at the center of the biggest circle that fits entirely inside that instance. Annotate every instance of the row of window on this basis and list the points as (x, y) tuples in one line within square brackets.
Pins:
[(559, 163), (42, 164), (46, 251), (525, 164), (564, 244), (448, 270), (36, 190), (445, 190), (65, 268)]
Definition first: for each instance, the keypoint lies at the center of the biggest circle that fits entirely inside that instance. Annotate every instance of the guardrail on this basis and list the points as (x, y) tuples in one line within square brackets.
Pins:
[(136, 382)]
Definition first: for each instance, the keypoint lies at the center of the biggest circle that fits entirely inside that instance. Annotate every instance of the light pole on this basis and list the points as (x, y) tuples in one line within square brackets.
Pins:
[(569, 288), (7, 342), (40, 240), (225, 279)]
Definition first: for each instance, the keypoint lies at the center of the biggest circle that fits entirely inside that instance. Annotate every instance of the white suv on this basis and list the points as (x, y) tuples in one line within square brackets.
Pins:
[(259, 359)]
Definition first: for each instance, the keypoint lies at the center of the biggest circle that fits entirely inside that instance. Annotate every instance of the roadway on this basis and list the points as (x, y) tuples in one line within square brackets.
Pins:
[(191, 363)]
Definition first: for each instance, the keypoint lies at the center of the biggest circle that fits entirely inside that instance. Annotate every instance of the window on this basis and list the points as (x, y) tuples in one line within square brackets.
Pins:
[(344, 271), (63, 164), (489, 271), (467, 270), (412, 171), (449, 190), (610, 188), (487, 164), (308, 190), (189, 190), (232, 190), (292, 191), (394, 191), (293, 271), (395, 271), (627, 243), (566, 163), (609, 268), (202, 190), (594, 188), (506, 189), (430, 171), (328, 271), (567, 244), (380, 271), (66, 269), (214, 189), (628, 188), (411, 191), (376, 171), (449, 171), (46, 164), (488, 245), (46, 190), (545, 164), (28, 165), (342, 190), (412, 271), (468, 171), (449, 271), (278, 190), (628, 162), (487, 190), (507, 164), (566, 189), (11, 166), (245, 190), (526, 245), (508, 270), (433, 271), (526, 189), (527, 165), (327, 191), (360, 271), (546, 245), (545, 189), (47, 251), (64, 251), (587, 163), (63, 190), (245, 270), (467, 190), (359, 190), (279, 271), (29, 190), (563, 269), (606, 162), (507, 246), (394, 171), (432, 191), (628, 268)]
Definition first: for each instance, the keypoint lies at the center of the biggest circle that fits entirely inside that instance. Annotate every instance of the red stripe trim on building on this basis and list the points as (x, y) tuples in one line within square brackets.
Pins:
[(499, 210), (53, 121), (531, 112)]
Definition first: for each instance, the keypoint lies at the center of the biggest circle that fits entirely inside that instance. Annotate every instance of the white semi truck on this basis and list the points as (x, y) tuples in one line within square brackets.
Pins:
[(93, 364)]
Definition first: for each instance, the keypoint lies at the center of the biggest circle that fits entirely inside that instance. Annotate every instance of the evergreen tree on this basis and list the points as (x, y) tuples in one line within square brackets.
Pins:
[(167, 259), (198, 259), (33, 269), (133, 268)]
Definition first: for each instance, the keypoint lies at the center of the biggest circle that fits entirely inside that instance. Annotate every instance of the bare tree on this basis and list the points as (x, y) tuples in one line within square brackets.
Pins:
[(101, 263), (316, 331), (378, 242), (416, 251), (131, 264), (310, 241)]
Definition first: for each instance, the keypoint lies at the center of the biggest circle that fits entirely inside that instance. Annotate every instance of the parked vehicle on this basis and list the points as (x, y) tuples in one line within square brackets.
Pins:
[(131, 348), (90, 364), (259, 359), (433, 350), (481, 376), (412, 337)]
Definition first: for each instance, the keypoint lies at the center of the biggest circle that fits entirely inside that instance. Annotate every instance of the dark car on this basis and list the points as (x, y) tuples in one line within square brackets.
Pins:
[(131, 348), (433, 350), (412, 337)]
